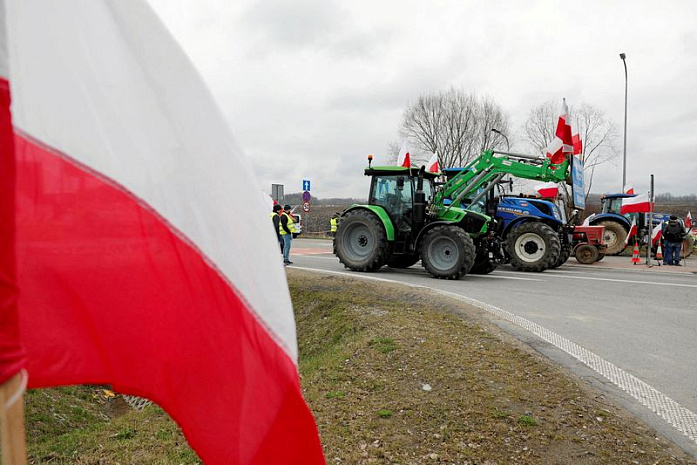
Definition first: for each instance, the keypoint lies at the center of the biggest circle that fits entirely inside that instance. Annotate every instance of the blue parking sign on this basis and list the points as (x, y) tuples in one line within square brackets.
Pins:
[(306, 184)]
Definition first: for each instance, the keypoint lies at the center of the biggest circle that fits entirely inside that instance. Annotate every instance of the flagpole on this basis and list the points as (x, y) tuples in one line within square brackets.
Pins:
[(14, 449), (650, 225)]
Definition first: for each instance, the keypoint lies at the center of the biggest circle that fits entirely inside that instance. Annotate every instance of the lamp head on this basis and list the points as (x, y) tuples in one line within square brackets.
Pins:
[(623, 56)]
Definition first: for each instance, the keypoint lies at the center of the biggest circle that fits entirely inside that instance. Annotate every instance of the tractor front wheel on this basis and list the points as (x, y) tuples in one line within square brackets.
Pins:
[(586, 254), (361, 242), (614, 237), (533, 246), (447, 252)]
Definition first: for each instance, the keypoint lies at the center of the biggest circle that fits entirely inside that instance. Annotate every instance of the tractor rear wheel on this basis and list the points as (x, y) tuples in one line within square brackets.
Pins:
[(361, 242), (688, 246), (586, 254), (447, 252), (614, 237), (533, 246), (402, 260)]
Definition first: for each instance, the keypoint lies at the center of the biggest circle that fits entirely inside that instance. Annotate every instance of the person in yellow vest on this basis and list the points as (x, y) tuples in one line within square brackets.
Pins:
[(286, 231), (334, 224), (275, 216)]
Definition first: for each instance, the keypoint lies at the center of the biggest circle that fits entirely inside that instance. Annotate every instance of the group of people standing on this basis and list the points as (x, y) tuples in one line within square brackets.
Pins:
[(284, 225)]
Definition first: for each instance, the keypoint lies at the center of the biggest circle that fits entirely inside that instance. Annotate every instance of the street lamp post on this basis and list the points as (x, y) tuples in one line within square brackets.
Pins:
[(624, 157)]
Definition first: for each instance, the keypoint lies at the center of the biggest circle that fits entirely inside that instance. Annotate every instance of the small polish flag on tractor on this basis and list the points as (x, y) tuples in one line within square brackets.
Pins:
[(403, 159), (433, 166)]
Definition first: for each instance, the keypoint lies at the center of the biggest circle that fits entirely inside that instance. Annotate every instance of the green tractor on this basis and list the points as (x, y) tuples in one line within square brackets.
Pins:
[(410, 216), (395, 228)]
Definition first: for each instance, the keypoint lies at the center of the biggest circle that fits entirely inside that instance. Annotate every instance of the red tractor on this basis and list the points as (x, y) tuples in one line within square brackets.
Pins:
[(588, 246)]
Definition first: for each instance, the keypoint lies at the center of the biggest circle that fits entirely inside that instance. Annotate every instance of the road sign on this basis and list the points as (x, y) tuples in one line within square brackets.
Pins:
[(306, 207), (306, 184), (306, 196)]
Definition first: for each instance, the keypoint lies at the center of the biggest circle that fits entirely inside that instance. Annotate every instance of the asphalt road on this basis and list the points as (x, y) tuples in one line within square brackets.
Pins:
[(636, 329)]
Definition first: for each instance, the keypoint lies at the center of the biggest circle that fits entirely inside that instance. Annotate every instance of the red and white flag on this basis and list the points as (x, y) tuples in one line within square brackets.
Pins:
[(131, 265), (632, 232), (404, 159), (578, 144), (562, 144), (433, 166), (688, 220), (547, 189), (657, 233), (637, 204), (629, 189)]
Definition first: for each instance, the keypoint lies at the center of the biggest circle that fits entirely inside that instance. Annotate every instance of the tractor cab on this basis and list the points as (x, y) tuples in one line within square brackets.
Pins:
[(612, 203), (394, 189)]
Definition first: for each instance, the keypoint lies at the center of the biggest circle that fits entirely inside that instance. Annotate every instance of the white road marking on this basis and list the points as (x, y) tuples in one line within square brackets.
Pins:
[(625, 281), (684, 420), (496, 276)]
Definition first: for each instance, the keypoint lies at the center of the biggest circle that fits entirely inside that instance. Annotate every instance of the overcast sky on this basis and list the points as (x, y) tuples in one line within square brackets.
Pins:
[(311, 87)]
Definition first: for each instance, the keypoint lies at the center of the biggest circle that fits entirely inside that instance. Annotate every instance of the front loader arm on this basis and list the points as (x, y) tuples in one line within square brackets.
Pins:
[(491, 165)]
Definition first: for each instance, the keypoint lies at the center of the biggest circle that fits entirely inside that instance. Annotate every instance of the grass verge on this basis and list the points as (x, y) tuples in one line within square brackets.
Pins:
[(424, 379)]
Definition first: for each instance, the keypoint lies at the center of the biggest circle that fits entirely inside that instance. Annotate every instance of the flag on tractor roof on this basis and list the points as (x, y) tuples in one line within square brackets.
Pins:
[(131, 265), (688, 220), (433, 166), (629, 189), (404, 159), (637, 204), (547, 189)]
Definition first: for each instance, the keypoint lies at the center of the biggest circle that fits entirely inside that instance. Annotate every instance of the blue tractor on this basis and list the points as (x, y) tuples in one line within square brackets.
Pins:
[(617, 226), (534, 233)]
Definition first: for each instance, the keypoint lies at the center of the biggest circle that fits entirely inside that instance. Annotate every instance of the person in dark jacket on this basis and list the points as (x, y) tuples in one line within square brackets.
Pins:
[(673, 235), (276, 220)]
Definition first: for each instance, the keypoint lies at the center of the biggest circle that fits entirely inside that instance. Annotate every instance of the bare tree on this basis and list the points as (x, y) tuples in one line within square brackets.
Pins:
[(454, 124), (597, 133)]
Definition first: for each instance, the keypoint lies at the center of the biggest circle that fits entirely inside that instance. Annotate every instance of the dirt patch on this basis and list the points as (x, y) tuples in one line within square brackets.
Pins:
[(398, 376)]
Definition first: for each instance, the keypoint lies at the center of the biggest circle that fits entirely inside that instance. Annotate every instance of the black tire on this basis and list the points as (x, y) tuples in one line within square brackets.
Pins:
[(586, 254), (533, 246), (447, 252), (402, 260), (614, 237), (563, 256), (482, 263), (601, 255), (688, 245), (361, 242)]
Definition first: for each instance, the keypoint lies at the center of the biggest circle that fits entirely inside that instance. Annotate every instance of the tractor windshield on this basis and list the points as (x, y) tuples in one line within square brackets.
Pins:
[(612, 205), (395, 194)]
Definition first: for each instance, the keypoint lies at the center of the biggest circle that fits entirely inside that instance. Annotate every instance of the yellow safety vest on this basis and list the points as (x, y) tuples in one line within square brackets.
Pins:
[(291, 224), (334, 224)]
